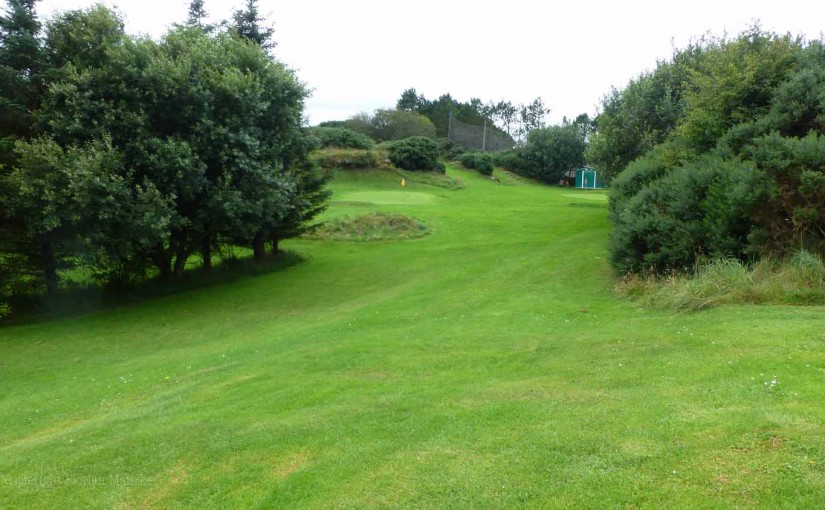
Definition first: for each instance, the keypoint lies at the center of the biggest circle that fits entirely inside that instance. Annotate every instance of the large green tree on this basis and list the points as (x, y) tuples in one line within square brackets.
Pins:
[(151, 151)]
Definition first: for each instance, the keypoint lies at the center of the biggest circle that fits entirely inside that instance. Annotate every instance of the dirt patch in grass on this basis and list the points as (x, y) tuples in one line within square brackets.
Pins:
[(370, 227), (292, 463)]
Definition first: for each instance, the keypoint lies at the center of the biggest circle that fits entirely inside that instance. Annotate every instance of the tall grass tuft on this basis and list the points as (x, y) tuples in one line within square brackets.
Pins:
[(797, 280)]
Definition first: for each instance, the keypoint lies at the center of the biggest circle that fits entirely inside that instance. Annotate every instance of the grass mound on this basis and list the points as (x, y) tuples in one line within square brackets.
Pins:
[(796, 281), (370, 227)]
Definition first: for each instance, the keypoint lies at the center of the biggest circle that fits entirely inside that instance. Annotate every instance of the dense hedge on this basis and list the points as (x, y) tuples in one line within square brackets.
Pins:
[(758, 191)]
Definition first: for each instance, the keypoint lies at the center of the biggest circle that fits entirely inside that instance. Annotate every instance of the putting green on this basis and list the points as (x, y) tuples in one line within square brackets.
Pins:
[(387, 197), (588, 196)]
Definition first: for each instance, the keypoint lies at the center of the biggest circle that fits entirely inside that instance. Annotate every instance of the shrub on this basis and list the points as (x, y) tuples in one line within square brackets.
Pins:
[(484, 164), (416, 153), (341, 138), (468, 160), (698, 210), (478, 160), (330, 159)]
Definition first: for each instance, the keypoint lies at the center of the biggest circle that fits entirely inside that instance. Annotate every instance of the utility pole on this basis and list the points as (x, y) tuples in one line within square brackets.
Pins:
[(484, 138)]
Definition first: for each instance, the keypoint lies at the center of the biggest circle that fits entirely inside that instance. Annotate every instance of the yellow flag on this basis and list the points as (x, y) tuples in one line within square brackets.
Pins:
[(403, 183)]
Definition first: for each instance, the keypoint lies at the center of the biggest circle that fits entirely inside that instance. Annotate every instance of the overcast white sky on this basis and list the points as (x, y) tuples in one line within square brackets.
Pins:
[(358, 55)]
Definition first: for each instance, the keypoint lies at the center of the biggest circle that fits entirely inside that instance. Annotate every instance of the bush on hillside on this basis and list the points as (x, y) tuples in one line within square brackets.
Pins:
[(340, 138), (349, 159), (416, 153), (479, 161), (740, 172)]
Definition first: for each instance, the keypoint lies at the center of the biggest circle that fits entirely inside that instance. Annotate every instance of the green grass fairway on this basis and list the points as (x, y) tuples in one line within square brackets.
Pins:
[(487, 365), (598, 196)]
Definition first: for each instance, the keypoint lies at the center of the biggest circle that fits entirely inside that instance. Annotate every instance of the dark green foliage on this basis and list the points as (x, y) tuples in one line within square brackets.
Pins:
[(742, 173), (416, 153), (478, 160), (683, 214), (341, 138), (793, 212), (81, 206), (333, 124), (333, 158), (638, 174), (468, 159)]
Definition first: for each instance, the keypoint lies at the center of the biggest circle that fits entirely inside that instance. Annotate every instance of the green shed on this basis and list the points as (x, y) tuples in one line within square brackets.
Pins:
[(588, 178)]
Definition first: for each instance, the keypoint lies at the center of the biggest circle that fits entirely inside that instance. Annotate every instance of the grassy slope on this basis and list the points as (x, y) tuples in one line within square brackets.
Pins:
[(459, 370)]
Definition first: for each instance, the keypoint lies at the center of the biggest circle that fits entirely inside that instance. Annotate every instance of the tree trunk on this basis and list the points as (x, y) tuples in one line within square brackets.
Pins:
[(180, 261), (162, 262), (276, 250), (259, 247), (206, 253), (49, 268)]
